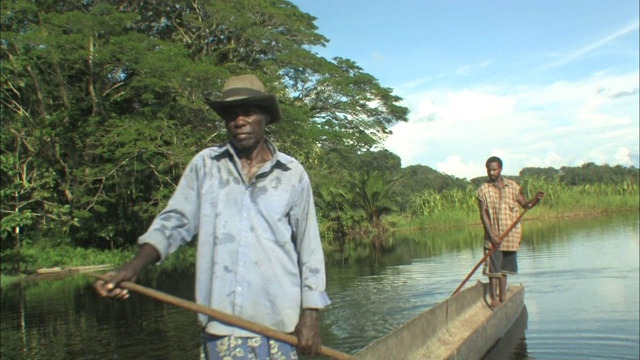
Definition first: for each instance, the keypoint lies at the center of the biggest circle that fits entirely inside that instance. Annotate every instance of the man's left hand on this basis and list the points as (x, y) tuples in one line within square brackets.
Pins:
[(308, 333)]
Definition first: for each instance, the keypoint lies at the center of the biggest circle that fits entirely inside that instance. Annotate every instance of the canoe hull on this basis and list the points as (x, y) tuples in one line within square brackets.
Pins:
[(461, 327)]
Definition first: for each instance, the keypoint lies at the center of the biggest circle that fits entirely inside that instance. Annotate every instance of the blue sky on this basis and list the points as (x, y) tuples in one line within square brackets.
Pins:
[(538, 83)]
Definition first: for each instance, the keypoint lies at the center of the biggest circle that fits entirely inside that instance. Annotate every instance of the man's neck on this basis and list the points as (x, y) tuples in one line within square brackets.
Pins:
[(498, 183), (254, 153), (252, 160)]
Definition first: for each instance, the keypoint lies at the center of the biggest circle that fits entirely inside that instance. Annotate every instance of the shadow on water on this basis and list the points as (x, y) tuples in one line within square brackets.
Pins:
[(513, 345)]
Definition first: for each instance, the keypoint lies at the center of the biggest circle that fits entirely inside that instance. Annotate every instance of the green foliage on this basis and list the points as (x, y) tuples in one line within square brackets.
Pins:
[(103, 104), (591, 173), (372, 193), (416, 179), (588, 197), (458, 207), (431, 202), (547, 173)]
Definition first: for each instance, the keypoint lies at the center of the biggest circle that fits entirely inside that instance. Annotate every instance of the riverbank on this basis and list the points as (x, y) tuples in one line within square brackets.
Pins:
[(65, 257), (461, 220), (65, 261)]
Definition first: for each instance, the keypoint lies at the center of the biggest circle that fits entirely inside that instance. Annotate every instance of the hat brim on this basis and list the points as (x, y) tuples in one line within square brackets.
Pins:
[(266, 102)]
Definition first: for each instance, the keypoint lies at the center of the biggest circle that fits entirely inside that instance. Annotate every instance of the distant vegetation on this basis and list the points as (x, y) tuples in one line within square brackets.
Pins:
[(453, 207), (103, 104)]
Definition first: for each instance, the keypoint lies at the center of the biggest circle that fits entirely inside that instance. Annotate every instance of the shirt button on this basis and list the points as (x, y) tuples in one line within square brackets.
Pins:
[(239, 288)]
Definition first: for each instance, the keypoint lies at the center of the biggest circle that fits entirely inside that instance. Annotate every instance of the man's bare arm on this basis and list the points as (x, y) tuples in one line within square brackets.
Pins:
[(486, 222)]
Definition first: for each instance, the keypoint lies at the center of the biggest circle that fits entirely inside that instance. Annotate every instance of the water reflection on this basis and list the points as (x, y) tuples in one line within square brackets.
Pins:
[(513, 345), (66, 320), (581, 279)]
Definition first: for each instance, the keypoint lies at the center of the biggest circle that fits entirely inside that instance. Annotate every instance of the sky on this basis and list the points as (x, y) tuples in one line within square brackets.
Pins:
[(538, 83)]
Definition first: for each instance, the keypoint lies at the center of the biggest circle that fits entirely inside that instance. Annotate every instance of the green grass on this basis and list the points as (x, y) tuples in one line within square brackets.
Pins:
[(6, 280), (446, 209), (37, 257)]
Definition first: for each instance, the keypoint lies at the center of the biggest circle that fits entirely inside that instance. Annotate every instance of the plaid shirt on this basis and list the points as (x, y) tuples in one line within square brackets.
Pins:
[(503, 209)]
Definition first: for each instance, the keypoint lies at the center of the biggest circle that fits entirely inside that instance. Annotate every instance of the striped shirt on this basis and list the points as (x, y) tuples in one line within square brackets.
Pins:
[(259, 252), (503, 208)]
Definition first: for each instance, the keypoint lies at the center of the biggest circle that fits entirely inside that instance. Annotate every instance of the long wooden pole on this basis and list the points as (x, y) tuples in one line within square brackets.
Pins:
[(222, 316), (493, 248)]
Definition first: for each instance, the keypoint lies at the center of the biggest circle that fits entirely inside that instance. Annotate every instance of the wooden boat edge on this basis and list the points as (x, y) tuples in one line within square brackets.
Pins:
[(460, 327)]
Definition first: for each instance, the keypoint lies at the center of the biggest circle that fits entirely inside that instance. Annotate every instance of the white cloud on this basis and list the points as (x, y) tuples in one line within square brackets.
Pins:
[(469, 105), (623, 156), (557, 124), (464, 70), (551, 159), (455, 165), (575, 54)]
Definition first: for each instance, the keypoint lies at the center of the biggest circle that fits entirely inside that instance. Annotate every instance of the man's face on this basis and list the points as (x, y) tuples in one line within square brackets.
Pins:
[(493, 171), (245, 126)]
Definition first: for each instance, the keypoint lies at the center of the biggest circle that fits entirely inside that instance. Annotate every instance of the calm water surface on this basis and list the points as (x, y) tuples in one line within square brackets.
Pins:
[(581, 282)]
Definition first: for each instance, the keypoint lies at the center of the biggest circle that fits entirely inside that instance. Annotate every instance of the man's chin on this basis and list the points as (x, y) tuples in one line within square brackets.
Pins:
[(244, 144)]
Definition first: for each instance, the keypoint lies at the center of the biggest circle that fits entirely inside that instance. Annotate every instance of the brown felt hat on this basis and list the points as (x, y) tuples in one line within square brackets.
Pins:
[(246, 90)]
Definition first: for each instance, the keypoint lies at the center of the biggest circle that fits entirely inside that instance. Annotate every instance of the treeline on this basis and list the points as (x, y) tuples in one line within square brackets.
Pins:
[(588, 173), (590, 195), (103, 104)]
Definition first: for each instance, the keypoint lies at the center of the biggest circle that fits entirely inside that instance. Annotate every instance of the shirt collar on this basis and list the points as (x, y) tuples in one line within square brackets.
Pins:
[(505, 183), (276, 157), (272, 148)]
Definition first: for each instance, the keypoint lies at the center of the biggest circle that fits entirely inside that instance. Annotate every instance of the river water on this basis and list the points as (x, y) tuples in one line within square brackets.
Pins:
[(581, 281)]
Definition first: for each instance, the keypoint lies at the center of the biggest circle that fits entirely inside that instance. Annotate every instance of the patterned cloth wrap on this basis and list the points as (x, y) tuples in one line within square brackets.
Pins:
[(246, 348)]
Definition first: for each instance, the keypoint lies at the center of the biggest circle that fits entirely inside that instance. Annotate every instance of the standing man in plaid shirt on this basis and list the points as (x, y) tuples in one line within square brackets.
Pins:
[(499, 200)]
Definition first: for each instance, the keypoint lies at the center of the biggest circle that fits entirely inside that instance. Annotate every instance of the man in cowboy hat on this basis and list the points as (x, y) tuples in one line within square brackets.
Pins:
[(259, 254)]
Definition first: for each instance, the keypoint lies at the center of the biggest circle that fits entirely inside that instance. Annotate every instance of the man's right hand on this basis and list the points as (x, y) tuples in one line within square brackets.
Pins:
[(108, 287), (308, 333), (495, 240)]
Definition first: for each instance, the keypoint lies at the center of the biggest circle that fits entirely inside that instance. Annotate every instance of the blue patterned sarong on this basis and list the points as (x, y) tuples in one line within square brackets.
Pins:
[(246, 348)]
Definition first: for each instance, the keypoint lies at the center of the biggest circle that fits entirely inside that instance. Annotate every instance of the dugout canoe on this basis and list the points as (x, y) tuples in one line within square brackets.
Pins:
[(61, 272), (462, 327)]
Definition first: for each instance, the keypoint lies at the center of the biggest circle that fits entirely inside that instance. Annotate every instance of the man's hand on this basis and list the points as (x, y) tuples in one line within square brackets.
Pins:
[(110, 288), (146, 255), (534, 202), (495, 240), (308, 333)]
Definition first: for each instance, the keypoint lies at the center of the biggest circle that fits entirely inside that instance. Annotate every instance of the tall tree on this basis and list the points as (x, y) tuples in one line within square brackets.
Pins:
[(103, 104)]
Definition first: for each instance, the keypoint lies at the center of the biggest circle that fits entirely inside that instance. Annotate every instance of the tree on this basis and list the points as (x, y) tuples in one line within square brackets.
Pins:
[(416, 179), (590, 173), (103, 104), (546, 173), (372, 190)]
